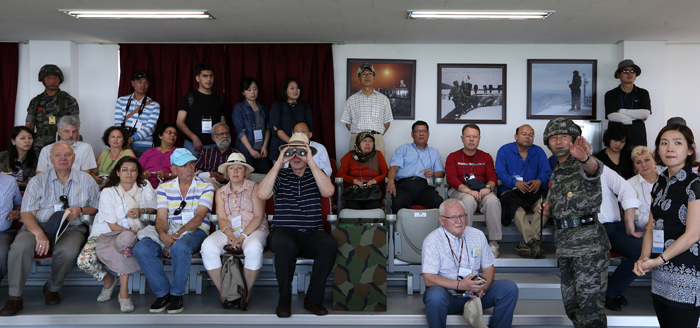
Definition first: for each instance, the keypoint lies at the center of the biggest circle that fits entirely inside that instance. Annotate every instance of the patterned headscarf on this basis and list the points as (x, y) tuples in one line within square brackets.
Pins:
[(364, 158)]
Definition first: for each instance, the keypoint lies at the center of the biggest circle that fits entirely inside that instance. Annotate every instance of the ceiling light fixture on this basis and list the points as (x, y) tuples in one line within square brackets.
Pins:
[(474, 14), (140, 14)]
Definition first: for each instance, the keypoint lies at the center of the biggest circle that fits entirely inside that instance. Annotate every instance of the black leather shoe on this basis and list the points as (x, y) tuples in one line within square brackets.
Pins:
[(52, 298), (611, 304), (620, 300), (12, 306), (160, 304), (283, 312), (316, 309)]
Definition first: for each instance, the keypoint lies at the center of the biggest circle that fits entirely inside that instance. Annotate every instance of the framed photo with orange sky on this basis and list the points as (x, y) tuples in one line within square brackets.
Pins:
[(396, 79)]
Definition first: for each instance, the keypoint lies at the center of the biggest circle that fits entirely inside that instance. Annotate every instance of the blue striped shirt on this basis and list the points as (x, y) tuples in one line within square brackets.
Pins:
[(10, 197), (297, 201), (200, 192), (44, 190), (148, 119)]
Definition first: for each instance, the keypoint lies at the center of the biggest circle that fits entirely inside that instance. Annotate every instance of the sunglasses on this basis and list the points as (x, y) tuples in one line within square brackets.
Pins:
[(64, 200), (182, 206), (628, 71)]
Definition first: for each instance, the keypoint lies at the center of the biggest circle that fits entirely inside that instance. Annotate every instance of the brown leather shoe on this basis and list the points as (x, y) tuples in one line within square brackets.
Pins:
[(52, 298), (316, 309), (283, 312), (11, 307)]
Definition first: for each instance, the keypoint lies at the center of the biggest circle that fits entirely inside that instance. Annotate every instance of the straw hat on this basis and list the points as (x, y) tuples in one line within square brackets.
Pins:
[(236, 158), (299, 140)]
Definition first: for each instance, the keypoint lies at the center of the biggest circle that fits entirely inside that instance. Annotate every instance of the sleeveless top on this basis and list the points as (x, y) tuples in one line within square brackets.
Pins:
[(241, 203)]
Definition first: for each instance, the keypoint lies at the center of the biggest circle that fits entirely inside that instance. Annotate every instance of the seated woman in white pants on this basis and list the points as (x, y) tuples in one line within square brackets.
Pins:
[(244, 225)]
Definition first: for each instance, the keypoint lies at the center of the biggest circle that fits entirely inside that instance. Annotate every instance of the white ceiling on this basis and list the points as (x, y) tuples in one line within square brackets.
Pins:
[(357, 21)]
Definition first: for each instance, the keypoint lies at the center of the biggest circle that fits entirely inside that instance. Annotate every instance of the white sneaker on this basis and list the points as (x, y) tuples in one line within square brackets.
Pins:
[(494, 248), (125, 304)]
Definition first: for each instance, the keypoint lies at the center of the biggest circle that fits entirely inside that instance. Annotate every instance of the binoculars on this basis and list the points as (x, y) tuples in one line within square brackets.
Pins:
[(291, 151)]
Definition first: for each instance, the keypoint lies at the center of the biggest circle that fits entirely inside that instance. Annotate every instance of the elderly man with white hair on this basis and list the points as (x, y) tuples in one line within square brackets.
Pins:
[(69, 132), (210, 158)]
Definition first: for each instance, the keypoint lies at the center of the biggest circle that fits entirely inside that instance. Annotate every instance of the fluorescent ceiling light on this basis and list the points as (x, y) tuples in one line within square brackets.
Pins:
[(140, 14), (493, 14)]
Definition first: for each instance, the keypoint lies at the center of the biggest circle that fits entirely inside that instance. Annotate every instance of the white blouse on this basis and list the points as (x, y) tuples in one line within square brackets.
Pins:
[(113, 210)]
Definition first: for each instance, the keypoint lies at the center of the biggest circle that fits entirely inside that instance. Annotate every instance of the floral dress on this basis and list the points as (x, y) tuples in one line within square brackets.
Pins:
[(676, 283)]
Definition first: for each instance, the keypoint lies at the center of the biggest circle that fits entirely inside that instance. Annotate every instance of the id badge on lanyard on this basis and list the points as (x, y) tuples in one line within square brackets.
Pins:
[(206, 125), (657, 246), (258, 135)]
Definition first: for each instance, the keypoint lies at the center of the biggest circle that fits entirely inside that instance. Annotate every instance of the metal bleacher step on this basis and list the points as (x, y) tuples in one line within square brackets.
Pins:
[(534, 286)]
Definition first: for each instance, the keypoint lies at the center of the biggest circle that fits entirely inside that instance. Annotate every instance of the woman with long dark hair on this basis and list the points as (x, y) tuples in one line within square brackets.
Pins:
[(285, 113), (673, 231), (616, 154), (252, 126), (20, 159), (108, 252)]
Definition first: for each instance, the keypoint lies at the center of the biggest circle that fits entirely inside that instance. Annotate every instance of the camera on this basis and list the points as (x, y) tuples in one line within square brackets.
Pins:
[(291, 151), (478, 277), (128, 130)]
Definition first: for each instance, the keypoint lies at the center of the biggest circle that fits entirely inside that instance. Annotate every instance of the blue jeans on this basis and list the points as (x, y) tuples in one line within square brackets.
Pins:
[(501, 295), (627, 246), (190, 146), (138, 151), (148, 253)]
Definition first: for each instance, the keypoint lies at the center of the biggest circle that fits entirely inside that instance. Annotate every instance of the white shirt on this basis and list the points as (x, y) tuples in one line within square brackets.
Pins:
[(643, 189), (367, 113), (112, 208), (439, 259), (84, 157), (321, 158), (613, 184)]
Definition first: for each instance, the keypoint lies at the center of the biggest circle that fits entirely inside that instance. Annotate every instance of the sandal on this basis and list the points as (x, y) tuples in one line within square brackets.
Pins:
[(106, 294), (125, 304)]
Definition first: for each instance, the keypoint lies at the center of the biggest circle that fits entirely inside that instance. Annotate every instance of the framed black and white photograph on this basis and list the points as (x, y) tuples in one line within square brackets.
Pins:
[(471, 93), (396, 79), (561, 87)]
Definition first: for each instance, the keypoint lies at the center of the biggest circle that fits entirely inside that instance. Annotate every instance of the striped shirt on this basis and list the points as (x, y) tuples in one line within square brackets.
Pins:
[(200, 193), (297, 201), (210, 158), (367, 113), (148, 119), (10, 198), (44, 190)]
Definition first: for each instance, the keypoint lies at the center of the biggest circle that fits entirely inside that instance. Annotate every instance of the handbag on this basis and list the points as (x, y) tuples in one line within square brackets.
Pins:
[(475, 184), (357, 193)]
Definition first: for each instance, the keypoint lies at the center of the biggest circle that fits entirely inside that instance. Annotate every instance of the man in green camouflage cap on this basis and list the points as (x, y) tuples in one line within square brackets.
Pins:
[(48, 107), (582, 245)]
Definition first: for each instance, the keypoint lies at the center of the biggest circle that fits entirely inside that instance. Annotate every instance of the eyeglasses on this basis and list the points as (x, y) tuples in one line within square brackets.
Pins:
[(179, 209), (628, 71), (367, 74), (420, 131), (454, 217), (127, 170), (64, 200)]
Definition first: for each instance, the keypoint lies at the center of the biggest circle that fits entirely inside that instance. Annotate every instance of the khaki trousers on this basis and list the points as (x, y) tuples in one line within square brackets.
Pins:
[(489, 205), (530, 230)]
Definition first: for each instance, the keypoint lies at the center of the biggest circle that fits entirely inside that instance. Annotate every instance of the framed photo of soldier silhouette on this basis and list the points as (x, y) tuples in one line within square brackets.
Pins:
[(471, 93), (396, 79), (561, 87)]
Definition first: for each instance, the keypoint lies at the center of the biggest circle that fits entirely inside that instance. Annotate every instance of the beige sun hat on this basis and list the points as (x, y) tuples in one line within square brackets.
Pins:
[(299, 140), (474, 314), (236, 158)]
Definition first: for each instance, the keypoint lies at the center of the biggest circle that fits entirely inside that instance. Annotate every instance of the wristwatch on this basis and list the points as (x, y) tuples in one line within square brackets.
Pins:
[(245, 234), (488, 186)]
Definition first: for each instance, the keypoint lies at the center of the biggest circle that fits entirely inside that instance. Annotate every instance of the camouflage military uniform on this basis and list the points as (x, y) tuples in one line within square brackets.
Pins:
[(583, 252), (456, 95), (41, 108)]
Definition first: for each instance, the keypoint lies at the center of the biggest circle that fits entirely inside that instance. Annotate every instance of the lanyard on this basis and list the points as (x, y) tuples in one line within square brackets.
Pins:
[(622, 102), (458, 262), (70, 184), (430, 160), (228, 204), (464, 173), (643, 193), (187, 194)]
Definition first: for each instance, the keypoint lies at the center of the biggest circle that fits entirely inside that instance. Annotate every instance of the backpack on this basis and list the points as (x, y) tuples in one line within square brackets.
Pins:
[(233, 284)]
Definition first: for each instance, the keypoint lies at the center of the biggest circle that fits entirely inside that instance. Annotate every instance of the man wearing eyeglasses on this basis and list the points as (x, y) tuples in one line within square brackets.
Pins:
[(210, 158), (181, 226), (453, 257), (367, 110), (472, 179), (297, 228), (629, 103), (61, 188), (524, 172), (412, 169)]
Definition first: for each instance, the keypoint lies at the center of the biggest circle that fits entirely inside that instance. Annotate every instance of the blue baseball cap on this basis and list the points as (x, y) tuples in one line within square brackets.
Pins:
[(181, 156)]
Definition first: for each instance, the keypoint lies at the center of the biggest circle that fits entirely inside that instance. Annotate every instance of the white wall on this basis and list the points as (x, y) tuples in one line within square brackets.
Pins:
[(682, 84)]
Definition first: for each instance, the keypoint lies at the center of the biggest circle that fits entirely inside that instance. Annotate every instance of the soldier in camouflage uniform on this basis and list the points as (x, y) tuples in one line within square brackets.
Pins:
[(48, 107), (456, 95), (582, 245)]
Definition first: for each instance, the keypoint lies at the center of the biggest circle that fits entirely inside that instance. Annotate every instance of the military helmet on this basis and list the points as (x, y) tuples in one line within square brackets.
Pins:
[(455, 82), (50, 69), (561, 125)]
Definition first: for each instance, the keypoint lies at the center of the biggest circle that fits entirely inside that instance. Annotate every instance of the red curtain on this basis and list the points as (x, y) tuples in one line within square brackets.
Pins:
[(9, 73), (171, 67)]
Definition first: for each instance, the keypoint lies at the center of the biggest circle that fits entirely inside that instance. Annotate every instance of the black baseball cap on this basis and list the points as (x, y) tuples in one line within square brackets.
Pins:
[(140, 74)]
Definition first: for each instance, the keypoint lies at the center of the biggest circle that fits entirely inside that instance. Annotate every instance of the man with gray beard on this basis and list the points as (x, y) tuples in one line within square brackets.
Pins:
[(210, 158)]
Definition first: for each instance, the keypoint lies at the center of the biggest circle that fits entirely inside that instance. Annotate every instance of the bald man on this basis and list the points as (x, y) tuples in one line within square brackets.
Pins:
[(524, 171), (60, 189)]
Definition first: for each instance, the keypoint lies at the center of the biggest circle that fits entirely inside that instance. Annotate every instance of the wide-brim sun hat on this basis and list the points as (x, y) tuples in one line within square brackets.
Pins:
[(115, 250), (627, 63), (299, 140), (236, 158)]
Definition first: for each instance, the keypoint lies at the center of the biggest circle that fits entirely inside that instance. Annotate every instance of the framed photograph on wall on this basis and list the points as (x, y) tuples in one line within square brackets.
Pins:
[(561, 87), (396, 79), (471, 93)]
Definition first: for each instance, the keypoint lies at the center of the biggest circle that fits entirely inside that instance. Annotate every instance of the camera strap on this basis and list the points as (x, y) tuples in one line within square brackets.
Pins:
[(140, 110)]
